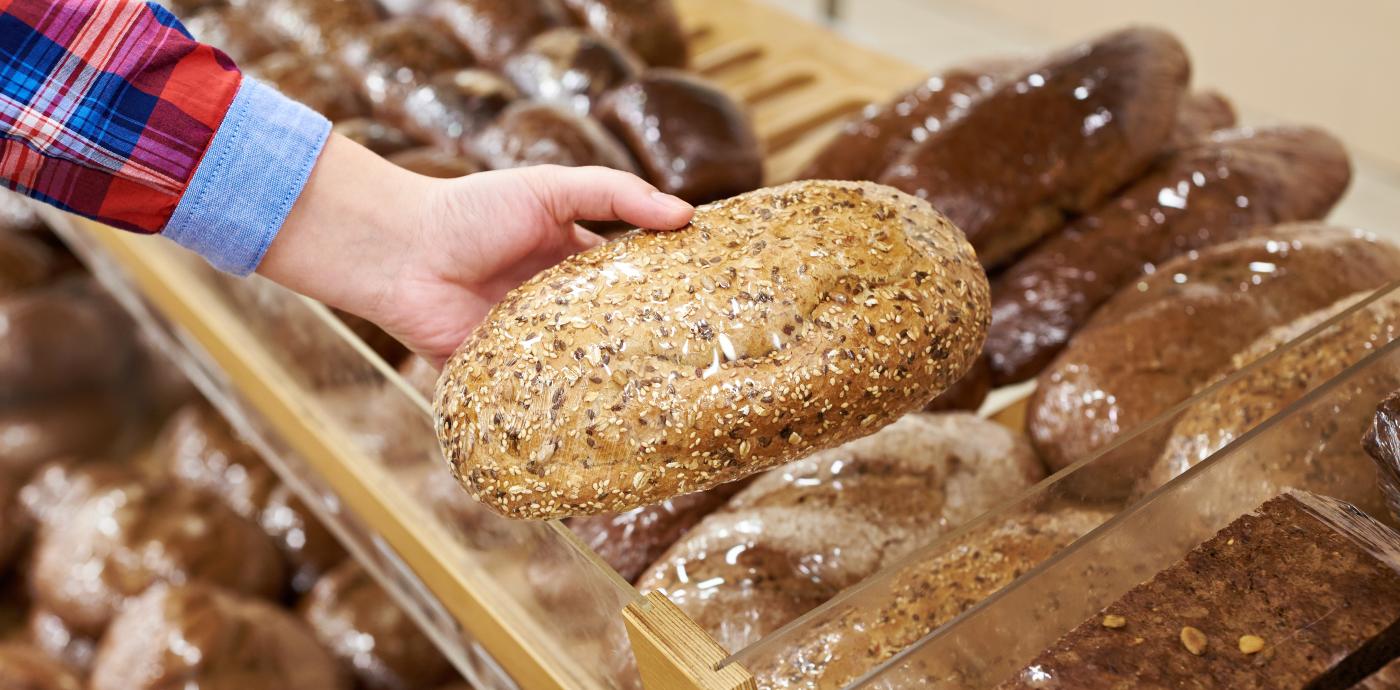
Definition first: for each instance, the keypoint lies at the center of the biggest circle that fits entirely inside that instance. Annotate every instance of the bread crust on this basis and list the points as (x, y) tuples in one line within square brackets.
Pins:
[(779, 323)]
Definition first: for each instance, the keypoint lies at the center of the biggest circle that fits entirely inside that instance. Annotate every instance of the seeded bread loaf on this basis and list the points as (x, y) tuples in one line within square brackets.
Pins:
[(922, 596), (799, 534), (778, 323), (1163, 337)]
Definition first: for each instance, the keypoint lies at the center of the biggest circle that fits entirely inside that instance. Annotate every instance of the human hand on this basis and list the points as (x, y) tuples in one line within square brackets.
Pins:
[(425, 259)]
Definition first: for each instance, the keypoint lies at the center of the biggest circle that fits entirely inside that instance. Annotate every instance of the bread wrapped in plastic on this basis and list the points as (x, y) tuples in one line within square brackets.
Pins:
[(317, 27), (356, 621), (47, 346), (84, 424), (649, 28), (539, 134), (391, 59), (375, 135), (493, 30), (198, 636), (454, 107), (689, 138), (52, 636), (26, 668), (435, 162), (570, 68)]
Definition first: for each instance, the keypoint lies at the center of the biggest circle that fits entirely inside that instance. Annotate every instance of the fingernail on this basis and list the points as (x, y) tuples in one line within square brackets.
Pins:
[(673, 203)]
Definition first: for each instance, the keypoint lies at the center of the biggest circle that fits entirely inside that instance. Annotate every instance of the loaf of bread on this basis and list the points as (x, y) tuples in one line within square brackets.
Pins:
[(433, 162), (538, 134), (315, 27), (379, 137), (197, 636), (26, 668), (1161, 338), (870, 142), (1312, 579), (1199, 114), (1339, 468), (968, 392), (315, 82), (649, 28), (921, 597), (778, 323), (690, 139), (24, 263), (493, 30), (1209, 192), (454, 107), (1051, 143), (390, 59), (570, 68), (357, 622), (46, 347), (798, 535), (86, 568), (632, 540), (52, 637), (85, 424)]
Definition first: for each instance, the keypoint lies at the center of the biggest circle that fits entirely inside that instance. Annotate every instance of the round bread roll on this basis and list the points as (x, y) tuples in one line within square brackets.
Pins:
[(61, 339), (357, 622), (392, 58), (24, 262), (125, 539), (650, 28), (779, 323), (495, 29), (196, 636), (317, 27), (83, 425), (25, 668), (530, 133), (453, 107), (308, 546), (570, 68), (690, 138), (201, 451)]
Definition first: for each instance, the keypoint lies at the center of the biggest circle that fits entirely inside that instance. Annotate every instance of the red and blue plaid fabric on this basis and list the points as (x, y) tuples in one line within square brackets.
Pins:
[(106, 106)]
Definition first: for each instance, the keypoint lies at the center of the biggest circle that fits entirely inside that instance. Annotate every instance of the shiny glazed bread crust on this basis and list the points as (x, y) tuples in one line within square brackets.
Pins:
[(779, 323)]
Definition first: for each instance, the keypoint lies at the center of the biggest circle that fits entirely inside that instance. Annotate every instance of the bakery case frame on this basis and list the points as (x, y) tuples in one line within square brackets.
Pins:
[(468, 581)]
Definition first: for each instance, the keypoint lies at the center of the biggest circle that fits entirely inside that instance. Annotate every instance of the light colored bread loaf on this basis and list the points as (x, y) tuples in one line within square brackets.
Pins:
[(799, 534), (779, 323)]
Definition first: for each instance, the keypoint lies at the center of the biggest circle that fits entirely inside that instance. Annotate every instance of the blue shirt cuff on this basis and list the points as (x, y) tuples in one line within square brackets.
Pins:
[(250, 177)]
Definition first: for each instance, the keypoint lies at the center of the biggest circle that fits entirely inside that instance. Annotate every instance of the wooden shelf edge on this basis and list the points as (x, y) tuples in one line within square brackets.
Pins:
[(674, 653)]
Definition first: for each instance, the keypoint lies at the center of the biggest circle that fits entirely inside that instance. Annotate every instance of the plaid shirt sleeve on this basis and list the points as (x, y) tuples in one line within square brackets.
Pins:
[(110, 109)]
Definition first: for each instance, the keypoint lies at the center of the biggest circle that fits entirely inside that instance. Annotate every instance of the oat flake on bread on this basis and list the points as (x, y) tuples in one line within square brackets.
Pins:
[(780, 322)]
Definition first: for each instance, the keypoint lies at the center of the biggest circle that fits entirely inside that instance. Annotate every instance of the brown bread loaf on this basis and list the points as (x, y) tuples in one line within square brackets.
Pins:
[(1051, 143), (197, 636), (357, 622), (1312, 578), (1199, 114), (778, 323), (1213, 191), (25, 263), (689, 137), (25, 668), (48, 344), (570, 68), (1161, 338), (630, 541), (922, 596), (870, 142), (389, 60), (799, 534), (649, 28), (529, 133), (493, 30), (454, 107), (433, 162), (85, 424), (968, 393), (315, 27), (315, 82), (127, 538), (1339, 468)]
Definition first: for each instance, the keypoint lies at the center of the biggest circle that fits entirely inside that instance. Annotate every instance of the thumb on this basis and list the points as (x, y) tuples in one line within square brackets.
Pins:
[(597, 193)]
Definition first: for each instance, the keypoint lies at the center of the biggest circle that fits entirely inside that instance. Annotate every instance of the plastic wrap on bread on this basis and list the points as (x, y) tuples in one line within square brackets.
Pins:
[(799, 534), (391, 59), (1212, 191), (924, 594), (357, 622), (197, 636), (1164, 336), (315, 82), (690, 139), (1301, 593), (1051, 143), (379, 137), (316, 27), (433, 162), (23, 667), (776, 324), (1382, 444), (649, 28), (570, 68), (454, 107), (1325, 458), (529, 133), (493, 30), (870, 142)]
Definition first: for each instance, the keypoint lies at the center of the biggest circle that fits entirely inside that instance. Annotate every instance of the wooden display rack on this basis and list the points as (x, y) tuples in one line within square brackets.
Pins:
[(799, 81)]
